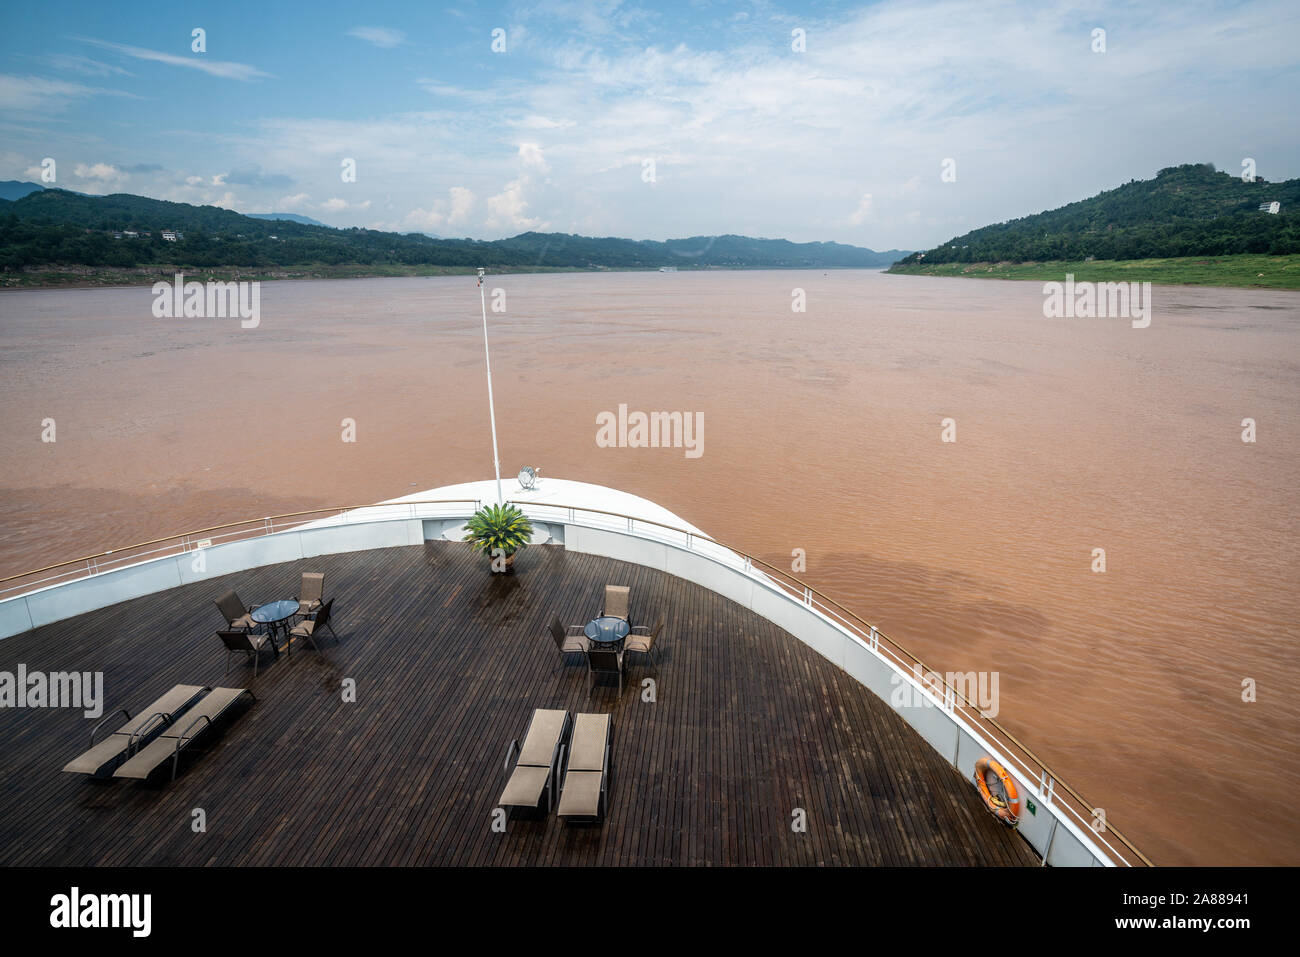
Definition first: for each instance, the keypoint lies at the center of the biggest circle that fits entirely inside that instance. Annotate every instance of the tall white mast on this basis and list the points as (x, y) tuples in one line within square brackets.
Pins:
[(487, 359)]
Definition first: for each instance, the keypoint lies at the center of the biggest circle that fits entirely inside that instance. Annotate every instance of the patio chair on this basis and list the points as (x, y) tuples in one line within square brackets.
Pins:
[(309, 627), (616, 602), (567, 640), (180, 734), (642, 640), (252, 645), (585, 795), (238, 618), (602, 661), (536, 764), (312, 592), (137, 732)]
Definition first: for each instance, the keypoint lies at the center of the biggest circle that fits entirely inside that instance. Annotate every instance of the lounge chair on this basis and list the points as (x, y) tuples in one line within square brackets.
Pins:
[(537, 764), (603, 661), (585, 796), (616, 602), (252, 645), (567, 640), (137, 732), (310, 626), (180, 734), (642, 641), (238, 618), (312, 592)]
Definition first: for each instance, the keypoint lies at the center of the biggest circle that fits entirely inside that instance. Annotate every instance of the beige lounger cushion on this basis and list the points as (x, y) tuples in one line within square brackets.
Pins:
[(637, 643), (144, 761), (581, 794), (587, 747), (525, 787), (543, 735), (93, 761)]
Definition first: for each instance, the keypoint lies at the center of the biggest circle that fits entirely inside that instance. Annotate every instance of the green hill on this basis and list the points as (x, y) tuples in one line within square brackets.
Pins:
[(1189, 210), (59, 228)]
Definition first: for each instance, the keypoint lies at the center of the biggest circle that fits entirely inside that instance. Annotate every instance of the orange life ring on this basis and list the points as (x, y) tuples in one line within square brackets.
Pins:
[(990, 778)]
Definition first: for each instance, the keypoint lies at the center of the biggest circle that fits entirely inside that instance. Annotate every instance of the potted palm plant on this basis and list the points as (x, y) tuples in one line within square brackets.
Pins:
[(499, 532)]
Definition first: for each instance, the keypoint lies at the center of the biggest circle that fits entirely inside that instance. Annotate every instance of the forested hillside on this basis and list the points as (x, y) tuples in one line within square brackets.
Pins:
[(57, 227), (1189, 210)]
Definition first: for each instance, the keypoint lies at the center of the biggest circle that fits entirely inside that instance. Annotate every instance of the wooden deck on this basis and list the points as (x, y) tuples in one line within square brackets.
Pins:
[(449, 662)]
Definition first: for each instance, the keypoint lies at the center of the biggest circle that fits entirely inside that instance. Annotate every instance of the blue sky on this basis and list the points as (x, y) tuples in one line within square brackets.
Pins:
[(844, 140)]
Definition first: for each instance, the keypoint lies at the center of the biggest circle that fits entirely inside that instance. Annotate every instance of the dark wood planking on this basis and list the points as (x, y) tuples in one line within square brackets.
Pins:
[(449, 663)]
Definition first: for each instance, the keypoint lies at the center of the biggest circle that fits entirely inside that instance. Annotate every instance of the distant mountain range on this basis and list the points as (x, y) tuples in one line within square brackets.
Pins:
[(288, 218), (55, 226), (14, 189), (1188, 210)]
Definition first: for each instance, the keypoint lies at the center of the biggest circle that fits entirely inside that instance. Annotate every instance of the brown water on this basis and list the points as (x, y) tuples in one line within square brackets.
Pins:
[(822, 432)]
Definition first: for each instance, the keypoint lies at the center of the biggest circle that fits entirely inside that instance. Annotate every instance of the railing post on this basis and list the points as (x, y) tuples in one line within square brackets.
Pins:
[(875, 639), (807, 596), (1047, 786)]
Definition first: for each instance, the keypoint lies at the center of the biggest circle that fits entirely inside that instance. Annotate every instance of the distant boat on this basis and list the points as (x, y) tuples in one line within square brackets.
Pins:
[(668, 269)]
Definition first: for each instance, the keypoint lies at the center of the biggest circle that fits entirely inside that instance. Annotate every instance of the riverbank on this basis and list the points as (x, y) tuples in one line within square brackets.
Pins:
[(1261, 272), (94, 277)]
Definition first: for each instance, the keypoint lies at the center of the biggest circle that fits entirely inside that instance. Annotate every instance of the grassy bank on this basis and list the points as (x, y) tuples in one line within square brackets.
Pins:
[(1264, 272)]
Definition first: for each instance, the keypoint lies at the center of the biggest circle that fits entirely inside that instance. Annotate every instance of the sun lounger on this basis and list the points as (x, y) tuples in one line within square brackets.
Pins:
[(538, 762), (586, 781), (180, 734), (137, 732)]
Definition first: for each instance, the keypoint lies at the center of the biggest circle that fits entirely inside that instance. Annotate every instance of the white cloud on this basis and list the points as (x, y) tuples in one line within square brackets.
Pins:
[(379, 36), (337, 205), (81, 64), (531, 155), (860, 214), (462, 201), (101, 171), (506, 208), (222, 68), (453, 211), (38, 93)]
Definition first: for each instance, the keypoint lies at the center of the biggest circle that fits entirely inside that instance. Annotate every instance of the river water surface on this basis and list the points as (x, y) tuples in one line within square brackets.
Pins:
[(822, 432)]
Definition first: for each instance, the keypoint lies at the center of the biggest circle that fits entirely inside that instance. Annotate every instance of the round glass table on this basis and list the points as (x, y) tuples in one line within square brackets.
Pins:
[(607, 631), (275, 615)]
